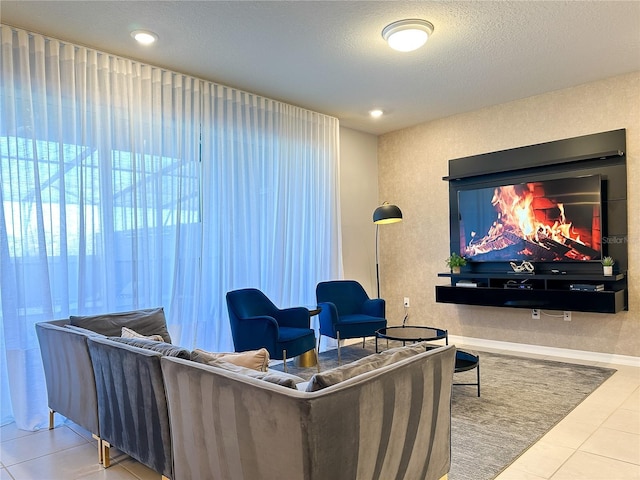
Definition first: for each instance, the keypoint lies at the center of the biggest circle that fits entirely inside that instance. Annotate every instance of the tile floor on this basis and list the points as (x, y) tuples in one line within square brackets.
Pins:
[(599, 440)]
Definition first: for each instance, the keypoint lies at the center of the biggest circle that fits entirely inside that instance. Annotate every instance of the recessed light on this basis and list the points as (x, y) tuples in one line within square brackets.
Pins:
[(145, 37), (407, 35), (376, 113)]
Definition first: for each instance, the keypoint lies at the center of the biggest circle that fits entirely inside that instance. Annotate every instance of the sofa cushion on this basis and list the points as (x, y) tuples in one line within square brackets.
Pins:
[(372, 362), (254, 359), (146, 322), (271, 376), (128, 333), (164, 348)]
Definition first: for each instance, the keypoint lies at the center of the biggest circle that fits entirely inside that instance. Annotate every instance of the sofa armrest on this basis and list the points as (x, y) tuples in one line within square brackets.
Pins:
[(295, 317), (256, 332), (328, 317), (132, 404), (374, 307), (71, 386)]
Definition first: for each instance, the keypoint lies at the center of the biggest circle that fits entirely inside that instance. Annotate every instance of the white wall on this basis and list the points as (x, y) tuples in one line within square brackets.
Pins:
[(358, 200), (412, 163)]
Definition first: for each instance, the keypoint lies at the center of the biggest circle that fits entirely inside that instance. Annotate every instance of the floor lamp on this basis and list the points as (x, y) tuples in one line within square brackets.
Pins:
[(382, 215)]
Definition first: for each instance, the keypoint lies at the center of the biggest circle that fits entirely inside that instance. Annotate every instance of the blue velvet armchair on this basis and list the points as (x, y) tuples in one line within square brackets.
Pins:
[(257, 323), (347, 311)]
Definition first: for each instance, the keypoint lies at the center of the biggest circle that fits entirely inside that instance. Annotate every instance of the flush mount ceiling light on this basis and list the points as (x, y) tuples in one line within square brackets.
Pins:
[(145, 37), (376, 113), (407, 35)]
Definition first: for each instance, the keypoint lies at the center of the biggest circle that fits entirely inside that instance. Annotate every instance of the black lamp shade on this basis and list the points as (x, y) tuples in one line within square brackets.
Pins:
[(386, 213)]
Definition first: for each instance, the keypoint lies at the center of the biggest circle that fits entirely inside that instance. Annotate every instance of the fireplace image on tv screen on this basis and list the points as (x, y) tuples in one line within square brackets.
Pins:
[(540, 221)]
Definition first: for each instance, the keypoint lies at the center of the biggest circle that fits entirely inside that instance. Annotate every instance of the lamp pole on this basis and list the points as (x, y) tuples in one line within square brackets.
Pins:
[(377, 264), (382, 215)]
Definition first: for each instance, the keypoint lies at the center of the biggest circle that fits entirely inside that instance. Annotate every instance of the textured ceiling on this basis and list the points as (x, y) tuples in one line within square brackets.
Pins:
[(330, 57)]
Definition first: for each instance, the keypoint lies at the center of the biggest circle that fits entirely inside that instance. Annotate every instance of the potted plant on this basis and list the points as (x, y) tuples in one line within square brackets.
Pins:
[(455, 261), (607, 266)]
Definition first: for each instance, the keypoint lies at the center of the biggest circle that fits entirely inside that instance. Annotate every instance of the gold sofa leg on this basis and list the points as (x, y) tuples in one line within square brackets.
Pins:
[(51, 413), (96, 437), (339, 357), (284, 359), (444, 477), (106, 461)]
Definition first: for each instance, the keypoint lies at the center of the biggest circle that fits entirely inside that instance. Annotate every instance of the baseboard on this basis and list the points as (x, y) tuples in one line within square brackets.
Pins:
[(583, 355), (549, 351)]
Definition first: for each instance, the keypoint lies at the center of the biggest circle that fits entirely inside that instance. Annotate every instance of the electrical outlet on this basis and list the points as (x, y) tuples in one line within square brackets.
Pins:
[(567, 316), (406, 302), (535, 314)]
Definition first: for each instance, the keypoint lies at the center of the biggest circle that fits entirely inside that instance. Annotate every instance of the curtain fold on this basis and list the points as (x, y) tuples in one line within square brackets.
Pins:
[(270, 205), (126, 186)]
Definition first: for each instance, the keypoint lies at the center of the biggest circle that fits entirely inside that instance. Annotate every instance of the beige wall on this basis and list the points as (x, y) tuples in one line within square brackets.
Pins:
[(358, 200), (411, 165)]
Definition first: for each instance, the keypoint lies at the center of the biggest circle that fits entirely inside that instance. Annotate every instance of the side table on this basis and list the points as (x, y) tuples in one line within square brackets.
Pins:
[(468, 361), (310, 357)]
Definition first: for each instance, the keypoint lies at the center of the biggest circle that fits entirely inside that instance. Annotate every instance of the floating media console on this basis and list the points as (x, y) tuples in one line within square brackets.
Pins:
[(547, 292), (561, 206)]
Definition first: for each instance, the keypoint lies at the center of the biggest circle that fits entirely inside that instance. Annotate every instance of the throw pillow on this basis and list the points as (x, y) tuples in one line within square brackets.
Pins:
[(372, 362), (146, 322), (254, 359), (128, 333), (164, 348), (271, 376)]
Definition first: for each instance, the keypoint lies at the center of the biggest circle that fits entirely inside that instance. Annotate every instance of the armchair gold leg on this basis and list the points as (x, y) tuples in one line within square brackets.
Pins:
[(445, 476), (339, 358), (51, 413), (284, 359), (96, 437), (317, 359), (363, 339), (167, 478), (106, 461)]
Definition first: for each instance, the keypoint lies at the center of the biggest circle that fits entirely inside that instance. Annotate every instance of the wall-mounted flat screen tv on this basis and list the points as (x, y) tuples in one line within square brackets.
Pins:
[(539, 221)]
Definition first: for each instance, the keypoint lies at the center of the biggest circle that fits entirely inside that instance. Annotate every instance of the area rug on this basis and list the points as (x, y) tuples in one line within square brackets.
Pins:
[(521, 399)]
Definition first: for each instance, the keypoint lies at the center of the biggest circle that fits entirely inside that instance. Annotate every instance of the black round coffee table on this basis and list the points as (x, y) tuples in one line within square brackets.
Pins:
[(464, 360), (412, 334)]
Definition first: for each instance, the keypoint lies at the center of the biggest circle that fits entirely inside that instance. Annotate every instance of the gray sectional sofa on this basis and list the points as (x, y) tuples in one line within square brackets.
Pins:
[(388, 416), (392, 422), (71, 375)]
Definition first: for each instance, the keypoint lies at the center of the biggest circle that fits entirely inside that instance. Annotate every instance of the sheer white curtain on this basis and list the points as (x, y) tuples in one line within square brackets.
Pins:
[(100, 200), (125, 186), (270, 203)]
